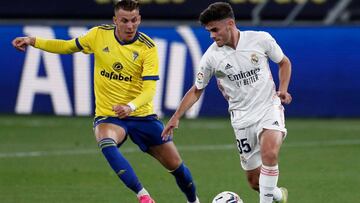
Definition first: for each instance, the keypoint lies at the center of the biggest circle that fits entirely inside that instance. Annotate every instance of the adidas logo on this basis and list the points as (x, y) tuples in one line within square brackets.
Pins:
[(106, 49), (228, 66), (276, 123)]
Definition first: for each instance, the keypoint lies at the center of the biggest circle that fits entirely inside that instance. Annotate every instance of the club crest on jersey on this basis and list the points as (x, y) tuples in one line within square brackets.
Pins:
[(254, 59), (117, 66), (135, 55)]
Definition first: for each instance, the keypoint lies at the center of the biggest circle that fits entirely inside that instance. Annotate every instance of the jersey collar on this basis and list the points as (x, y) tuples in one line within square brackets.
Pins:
[(129, 42)]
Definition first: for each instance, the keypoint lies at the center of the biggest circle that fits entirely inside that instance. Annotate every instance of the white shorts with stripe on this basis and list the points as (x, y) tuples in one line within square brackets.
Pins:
[(248, 138)]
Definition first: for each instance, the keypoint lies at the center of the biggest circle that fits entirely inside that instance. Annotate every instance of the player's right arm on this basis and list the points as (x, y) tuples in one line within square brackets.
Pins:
[(84, 43), (50, 45), (21, 43), (190, 98)]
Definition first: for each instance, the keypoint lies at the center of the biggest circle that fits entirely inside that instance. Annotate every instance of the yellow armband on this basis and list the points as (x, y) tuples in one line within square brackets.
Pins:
[(57, 46)]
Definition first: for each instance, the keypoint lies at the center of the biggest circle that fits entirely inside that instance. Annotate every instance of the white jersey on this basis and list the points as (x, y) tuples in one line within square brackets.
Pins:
[(244, 74)]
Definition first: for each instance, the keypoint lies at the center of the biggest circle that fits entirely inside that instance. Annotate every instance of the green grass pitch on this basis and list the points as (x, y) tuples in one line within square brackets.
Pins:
[(55, 159)]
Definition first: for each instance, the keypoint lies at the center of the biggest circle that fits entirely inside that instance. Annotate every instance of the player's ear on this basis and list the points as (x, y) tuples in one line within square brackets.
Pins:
[(231, 22), (139, 19), (114, 20)]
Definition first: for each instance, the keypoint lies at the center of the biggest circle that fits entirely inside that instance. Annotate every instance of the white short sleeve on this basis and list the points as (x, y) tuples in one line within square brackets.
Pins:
[(205, 72), (272, 49)]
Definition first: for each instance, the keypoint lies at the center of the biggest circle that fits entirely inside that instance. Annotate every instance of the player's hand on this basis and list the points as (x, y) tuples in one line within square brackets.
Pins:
[(20, 43), (168, 131), (285, 97), (122, 111)]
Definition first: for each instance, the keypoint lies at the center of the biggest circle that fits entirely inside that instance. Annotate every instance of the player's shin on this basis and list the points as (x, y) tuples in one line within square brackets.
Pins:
[(119, 164), (185, 182)]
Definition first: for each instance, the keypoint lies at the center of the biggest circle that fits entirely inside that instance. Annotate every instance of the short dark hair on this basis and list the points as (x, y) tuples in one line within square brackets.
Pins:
[(127, 5), (216, 11)]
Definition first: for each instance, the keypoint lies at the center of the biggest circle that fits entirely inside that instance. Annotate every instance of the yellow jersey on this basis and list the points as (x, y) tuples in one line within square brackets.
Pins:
[(119, 68)]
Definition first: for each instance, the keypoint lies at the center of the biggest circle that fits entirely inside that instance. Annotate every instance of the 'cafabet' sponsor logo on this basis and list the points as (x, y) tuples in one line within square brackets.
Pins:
[(115, 76)]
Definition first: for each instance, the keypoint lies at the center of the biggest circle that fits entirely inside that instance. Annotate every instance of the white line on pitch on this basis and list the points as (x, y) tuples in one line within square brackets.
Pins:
[(181, 148)]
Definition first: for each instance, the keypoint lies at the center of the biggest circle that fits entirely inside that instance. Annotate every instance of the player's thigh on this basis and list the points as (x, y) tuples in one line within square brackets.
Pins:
[(270, 144), (147, 135), (270, 140), (167, 155), (272, 131), (109, 130), (248, 146), (273, 120)]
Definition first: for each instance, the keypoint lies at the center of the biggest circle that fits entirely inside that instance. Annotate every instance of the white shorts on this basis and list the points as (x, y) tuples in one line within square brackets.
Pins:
[(247, 139)]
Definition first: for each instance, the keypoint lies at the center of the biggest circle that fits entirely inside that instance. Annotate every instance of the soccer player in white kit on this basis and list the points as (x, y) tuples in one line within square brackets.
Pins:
[(239, 61)]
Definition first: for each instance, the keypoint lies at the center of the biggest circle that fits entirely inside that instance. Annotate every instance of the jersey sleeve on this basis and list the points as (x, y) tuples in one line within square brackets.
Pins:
[(147, 94), (272, 49), (86, 42), (205, 72), (151, 64), (56, 46)]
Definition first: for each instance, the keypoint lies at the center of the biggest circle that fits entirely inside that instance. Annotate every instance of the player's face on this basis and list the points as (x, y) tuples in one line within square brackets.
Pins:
[(220, 31), (127, 23)]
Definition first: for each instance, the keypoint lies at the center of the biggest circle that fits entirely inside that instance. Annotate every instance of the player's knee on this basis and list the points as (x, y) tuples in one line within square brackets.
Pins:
[(173, 163), (167, 155), (170, 156), (269, 157), (103, 132)]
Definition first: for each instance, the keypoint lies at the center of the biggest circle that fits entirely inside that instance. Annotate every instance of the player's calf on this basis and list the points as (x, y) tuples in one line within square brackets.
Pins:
[(185, 182)]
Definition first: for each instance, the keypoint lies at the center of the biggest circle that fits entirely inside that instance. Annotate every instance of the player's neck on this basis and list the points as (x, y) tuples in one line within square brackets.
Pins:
[(235, 38), (122, 40), (119, 37)]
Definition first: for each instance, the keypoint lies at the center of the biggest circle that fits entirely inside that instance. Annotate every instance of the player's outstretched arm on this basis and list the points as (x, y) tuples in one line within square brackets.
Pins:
[(21, 43), (190, 98), (284, 79), (56, 46)]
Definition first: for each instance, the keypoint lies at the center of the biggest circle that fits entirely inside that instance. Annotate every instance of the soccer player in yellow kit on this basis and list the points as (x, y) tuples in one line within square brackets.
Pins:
[(125, 74)]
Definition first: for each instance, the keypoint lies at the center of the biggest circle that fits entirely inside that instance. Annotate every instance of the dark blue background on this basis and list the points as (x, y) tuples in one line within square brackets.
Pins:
[(325, 78)]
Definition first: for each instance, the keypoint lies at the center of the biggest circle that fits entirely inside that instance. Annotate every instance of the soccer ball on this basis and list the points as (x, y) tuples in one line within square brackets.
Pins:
[(227, 197)]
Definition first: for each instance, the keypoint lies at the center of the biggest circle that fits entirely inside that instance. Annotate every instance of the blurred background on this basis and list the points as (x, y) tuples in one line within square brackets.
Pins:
[(48, 154), (321, 37)]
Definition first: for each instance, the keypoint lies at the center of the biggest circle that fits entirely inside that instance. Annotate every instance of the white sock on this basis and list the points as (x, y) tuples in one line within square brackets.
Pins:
[(277, 194), (142, 192), (196, 201), (267, 182)]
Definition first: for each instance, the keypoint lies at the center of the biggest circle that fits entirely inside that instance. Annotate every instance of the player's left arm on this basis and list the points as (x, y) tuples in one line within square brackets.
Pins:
[(284, 80), (276, 54), (150, 76), (147, 95)]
